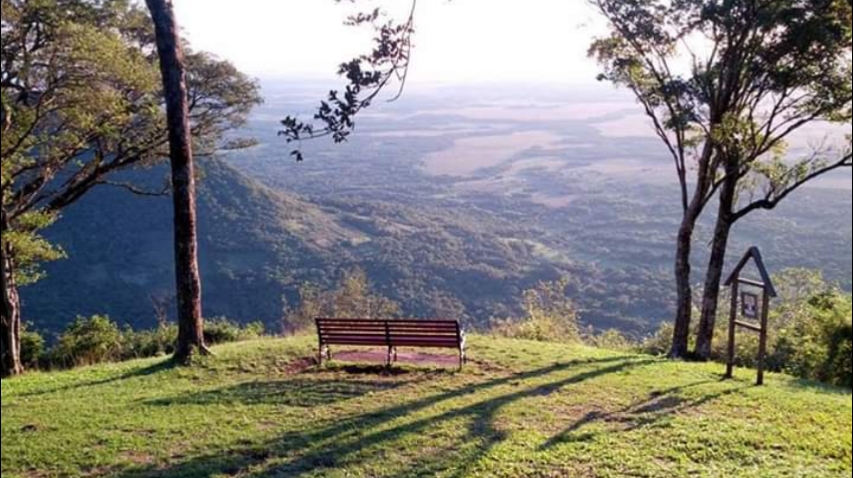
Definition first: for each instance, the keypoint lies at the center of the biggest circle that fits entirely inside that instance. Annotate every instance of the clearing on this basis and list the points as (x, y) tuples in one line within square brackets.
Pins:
[(521, 409)]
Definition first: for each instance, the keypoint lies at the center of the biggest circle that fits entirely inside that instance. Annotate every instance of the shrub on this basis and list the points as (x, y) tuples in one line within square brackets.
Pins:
[(611, 340), (660, 343), (841, 354), (88, 342), (817, 345), (149, 343), (32, 348), (221, 330), (354, 297), (551, 316), (98, 339)]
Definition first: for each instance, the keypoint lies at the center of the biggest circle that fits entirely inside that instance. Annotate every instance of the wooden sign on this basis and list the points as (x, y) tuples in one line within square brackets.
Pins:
[(750, 306)]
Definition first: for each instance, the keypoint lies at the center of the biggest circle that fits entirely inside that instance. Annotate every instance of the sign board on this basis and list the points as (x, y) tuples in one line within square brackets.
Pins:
[(749, 305), (755, 307)]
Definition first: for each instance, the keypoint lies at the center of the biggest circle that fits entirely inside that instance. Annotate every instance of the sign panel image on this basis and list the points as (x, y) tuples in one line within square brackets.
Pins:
[(749, 304)]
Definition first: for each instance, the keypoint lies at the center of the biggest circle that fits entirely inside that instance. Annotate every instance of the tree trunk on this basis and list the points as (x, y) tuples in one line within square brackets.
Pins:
[(684, 289), (190, 322), (684, 248), (716, 264), (10, 310)]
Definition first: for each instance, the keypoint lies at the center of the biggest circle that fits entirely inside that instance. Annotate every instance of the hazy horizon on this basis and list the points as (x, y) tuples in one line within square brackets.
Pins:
[(459, 41)]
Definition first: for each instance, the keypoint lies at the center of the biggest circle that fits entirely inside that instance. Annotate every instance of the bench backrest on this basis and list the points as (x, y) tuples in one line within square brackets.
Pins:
[(391, 333)]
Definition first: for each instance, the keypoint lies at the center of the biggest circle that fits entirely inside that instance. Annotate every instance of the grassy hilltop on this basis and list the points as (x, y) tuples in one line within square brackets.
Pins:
[(522, 409)]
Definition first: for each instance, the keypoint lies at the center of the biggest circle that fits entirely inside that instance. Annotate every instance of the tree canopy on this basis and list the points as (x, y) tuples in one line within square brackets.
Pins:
[(81, 99), (726, 84)]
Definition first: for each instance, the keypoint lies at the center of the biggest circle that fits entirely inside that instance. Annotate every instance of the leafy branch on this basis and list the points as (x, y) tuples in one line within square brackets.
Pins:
[(367, 75)]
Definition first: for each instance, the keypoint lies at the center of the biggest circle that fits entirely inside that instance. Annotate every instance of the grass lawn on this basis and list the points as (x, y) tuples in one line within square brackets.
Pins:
[(521, 410)]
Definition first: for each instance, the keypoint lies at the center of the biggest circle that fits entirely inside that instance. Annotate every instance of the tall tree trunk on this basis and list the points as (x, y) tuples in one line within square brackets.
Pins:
[(190, 322), (716, 264), (684, 289), (10, 310), (684, 249)]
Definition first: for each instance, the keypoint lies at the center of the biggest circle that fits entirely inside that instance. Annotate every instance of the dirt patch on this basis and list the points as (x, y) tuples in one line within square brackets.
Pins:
[(137, 458), (300, 366), (404, 358), (489, 367)]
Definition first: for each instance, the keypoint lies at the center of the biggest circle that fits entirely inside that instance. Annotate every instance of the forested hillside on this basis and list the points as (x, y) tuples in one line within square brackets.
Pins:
[(259, 246), (450, 257)]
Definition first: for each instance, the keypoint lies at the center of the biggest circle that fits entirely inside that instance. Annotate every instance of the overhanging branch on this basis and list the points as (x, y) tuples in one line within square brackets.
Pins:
[(136, 190), (774, 197)]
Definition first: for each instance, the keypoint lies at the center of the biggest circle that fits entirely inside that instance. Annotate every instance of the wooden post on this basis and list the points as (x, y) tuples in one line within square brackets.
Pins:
[(730, 360), (762, 347)]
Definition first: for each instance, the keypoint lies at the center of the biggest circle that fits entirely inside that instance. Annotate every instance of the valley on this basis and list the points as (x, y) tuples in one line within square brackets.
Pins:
[(452, 211)]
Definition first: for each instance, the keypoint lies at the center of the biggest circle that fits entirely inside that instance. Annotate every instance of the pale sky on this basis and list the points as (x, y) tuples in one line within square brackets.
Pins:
[(458, 41)]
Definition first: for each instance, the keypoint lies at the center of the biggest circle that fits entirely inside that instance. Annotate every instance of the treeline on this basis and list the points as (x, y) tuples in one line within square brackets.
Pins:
[(811, 334), (99, 339)]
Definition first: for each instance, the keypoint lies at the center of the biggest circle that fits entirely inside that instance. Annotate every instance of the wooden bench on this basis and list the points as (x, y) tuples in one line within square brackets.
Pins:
[(390, 334)]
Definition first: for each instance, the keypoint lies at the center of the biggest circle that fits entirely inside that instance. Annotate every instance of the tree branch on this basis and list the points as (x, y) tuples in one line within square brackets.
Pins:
[(773, 198), (389, 60), (136, 190)]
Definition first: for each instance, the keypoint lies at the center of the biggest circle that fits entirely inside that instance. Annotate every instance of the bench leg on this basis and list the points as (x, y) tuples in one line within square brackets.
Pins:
[(390, 359), (325, 354), (396, 355)]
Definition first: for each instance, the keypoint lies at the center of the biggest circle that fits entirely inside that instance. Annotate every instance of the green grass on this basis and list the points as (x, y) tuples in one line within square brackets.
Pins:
[(521, 410)]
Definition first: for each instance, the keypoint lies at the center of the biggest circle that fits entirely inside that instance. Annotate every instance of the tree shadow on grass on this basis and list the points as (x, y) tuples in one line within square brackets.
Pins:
[(371, 438), (299, 393), (154, 369), (816, 387), (657, 409)]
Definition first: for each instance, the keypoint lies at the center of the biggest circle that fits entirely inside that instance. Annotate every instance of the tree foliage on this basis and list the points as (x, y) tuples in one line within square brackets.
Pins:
[(81, 100), (353, 298)]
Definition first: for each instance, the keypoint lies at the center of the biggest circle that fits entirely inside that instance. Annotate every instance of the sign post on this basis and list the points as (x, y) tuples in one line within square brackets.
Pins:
[(751, 306)]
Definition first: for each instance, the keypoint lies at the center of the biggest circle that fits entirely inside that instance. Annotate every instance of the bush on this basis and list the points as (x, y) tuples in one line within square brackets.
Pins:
[(149, 343), (221, 331), (354, 297), (33, 347), (841, 355), (98, 339), (551, 316), (88, 342), (818, 344), (660, 343), (611, 340)]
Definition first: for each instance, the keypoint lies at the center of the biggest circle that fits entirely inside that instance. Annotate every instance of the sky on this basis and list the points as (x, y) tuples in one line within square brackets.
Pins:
[(458, 41)]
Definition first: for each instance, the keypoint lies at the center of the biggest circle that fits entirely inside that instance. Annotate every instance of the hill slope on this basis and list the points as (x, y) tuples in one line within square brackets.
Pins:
[(257, 246), (252, 243), (521, 409)]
